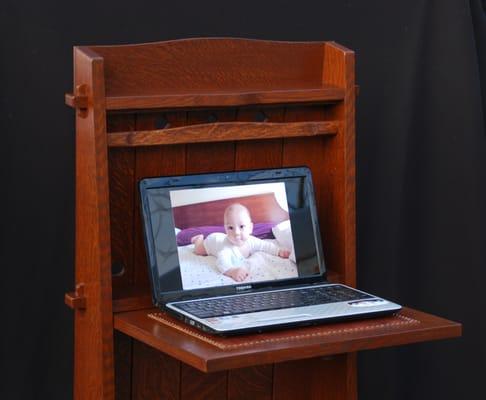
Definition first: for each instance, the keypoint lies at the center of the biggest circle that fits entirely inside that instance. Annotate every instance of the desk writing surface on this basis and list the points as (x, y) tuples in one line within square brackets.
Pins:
[(211, 353)]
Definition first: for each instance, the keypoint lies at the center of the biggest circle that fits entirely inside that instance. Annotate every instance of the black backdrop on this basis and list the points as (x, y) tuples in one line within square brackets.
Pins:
[(421, 169)]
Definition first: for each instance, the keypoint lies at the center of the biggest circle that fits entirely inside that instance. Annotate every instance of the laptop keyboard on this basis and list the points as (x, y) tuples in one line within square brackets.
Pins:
[(271, 301)]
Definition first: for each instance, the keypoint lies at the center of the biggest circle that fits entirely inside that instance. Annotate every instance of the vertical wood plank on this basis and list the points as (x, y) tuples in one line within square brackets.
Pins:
[(254, 383), (256, 154), (93, 327), (313, 379), (210, 157), (310, 152), (123, 366), (324, 158), (197, 385), (121, 166), (338, 70), (352, 375), (156, 376), (154, 161)]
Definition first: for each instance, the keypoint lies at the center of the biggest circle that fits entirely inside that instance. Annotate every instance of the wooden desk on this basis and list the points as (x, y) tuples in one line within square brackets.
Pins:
[(203, 105)]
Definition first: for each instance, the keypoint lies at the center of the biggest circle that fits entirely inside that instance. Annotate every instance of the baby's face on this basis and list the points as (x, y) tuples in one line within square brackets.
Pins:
[(238, 227)]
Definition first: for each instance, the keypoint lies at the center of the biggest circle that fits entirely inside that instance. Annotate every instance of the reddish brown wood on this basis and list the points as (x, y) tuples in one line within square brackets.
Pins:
[(93, 340), (311, 379), (338, 69), (259, 154), (310, 152), (130, 298), (80, 101), (121, 163), (155, 374), (279, 95), (167, 160), (76, 299), (251, 383), (233, 97), (220, 132), (197, 385), (211, 353), (123, 366), (210, 157), (212, 65)]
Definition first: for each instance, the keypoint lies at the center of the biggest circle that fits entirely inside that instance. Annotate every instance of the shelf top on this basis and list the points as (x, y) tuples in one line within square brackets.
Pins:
[(210, 353), (224, 98), (220, 72)]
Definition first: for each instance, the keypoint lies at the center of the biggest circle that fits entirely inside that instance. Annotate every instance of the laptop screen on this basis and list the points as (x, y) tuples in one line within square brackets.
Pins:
[(217, 233)]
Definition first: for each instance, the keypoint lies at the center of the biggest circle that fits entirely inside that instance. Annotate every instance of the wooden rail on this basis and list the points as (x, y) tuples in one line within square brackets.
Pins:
[(222, 131)]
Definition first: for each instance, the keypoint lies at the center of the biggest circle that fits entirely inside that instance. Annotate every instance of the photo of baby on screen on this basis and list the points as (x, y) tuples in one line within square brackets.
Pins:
[(233, 234)]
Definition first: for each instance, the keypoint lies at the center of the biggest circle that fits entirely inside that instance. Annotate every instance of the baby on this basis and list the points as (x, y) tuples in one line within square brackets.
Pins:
[(236, 245)]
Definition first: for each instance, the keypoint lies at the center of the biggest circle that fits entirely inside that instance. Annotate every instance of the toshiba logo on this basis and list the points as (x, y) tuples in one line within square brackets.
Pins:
[(243, 287)]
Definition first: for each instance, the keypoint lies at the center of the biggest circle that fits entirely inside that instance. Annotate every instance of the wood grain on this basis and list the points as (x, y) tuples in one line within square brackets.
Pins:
[(318, 379), (210, 64), (340, 203), (211, 353), (222, 132), (156, 161), (155, 374), (211, 157), (231, 97), (121, 166), (130, 298), (123, 366), (251, 383), (183, 96), (338, 69), (93, 340), (197, 385), (310, 152), (260, 153)]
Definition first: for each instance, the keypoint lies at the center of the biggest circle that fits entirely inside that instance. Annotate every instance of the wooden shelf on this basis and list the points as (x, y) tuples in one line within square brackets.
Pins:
[(211, 353), (211, 104), (324, 94), (241, 97), (222, 131)]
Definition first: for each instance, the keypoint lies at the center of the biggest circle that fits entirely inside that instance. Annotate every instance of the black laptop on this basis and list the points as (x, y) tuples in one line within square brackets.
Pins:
[(241, 252)]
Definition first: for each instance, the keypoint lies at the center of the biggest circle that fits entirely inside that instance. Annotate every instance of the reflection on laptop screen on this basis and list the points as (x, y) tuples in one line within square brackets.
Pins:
[(217, 234)]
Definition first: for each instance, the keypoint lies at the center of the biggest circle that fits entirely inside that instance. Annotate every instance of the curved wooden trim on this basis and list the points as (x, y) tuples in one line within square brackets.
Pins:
[(221, 132)]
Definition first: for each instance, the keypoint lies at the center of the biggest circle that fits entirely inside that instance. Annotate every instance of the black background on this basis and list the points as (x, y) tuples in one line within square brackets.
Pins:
[(421, 169)]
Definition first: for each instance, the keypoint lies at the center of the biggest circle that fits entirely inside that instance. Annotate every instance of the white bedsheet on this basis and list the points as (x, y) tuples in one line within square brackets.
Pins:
[(200, 271)]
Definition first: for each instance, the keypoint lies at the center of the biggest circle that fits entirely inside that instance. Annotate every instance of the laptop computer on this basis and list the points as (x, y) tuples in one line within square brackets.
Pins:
[(241, 252)]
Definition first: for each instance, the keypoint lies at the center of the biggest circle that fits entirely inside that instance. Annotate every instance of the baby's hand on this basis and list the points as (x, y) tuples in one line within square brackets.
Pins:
[(237, 274), (284, 253)]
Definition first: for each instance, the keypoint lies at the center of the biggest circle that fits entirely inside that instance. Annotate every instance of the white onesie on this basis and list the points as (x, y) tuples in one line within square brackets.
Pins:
[(230, 256)]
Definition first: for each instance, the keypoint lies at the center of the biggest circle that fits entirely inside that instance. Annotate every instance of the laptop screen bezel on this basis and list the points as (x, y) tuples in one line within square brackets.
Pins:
[(211, 180)]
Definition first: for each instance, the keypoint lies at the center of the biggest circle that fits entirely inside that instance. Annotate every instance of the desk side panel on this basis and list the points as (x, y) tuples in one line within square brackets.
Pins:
[(93, 339)]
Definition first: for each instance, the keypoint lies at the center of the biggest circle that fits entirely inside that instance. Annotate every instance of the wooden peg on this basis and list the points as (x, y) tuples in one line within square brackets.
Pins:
[(78, 100), (76, 299)]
